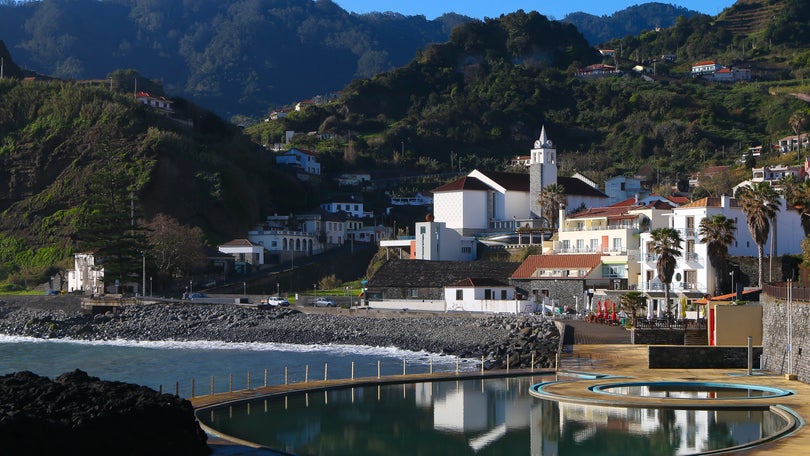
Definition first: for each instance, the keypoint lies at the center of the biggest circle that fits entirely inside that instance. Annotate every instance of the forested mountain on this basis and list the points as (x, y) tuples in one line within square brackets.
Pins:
[(235, 57), (630, 21), (481, 98)]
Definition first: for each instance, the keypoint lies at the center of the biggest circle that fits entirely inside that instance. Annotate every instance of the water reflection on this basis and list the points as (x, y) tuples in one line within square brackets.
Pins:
[(493, 416)]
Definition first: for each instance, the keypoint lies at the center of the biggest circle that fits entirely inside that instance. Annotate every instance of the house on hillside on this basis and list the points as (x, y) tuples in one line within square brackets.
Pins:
[(705, 67), (304, 160), (619, 188), (349, 204), (159, 103), (560, 281)]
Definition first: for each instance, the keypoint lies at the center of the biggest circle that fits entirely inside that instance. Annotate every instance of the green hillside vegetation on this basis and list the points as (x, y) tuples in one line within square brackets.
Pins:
[(234, 57), (65, 146), (481, 98), (630, 21)]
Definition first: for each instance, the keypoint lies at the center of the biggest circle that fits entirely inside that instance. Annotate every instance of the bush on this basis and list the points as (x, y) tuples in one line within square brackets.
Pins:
[(11, 288)]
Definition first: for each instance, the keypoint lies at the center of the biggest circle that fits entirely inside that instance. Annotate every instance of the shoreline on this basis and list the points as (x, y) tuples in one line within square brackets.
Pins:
[(501, 339)]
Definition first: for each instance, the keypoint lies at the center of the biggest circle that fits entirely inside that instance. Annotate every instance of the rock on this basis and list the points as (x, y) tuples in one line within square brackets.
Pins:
[(80, 414)]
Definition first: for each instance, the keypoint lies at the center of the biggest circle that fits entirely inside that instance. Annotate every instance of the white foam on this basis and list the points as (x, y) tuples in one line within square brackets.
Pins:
[(337, 349)]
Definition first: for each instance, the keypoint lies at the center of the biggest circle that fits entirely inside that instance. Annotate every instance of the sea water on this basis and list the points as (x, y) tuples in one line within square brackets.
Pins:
[(172, 365)]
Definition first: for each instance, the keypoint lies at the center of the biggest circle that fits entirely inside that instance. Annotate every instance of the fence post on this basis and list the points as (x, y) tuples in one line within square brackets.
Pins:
[(160, 389), (352, 370), (306, 374), (403, 366), (431, 364), (286, 377), (177, 389), (482, 364), (457, 365), (325, 371), (212, 385), (378, 369), (192, 388), (532, 366), (265, 377), (230, 383), (248, 380)]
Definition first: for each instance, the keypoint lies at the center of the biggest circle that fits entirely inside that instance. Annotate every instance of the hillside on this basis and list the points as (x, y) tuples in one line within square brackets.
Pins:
[(481, 98), (234, 57), (60, 141), (630, 21)]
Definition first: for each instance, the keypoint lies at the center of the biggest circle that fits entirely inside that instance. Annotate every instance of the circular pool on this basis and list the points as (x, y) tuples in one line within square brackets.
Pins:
[(690, 390)]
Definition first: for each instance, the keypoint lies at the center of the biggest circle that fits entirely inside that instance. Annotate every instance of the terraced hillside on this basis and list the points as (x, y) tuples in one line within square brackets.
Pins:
[(747, 17)]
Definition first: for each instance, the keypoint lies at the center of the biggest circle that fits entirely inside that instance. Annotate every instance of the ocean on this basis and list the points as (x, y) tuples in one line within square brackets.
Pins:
[(171, 365)]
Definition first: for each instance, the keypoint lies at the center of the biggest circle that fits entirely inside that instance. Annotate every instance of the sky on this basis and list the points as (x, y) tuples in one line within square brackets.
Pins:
[(556, 9)]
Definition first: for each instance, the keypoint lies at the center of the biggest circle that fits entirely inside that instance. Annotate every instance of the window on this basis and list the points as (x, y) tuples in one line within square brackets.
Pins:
[(414, 293), (466, 250), (459, 295), (503, 295), (566, 244), (580, 245), (614, 270), (690, 277), (617, 244), (594, 245), (487, 294)]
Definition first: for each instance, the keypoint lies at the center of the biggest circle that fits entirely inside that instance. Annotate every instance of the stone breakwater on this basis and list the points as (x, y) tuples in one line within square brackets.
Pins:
[(502, 340)]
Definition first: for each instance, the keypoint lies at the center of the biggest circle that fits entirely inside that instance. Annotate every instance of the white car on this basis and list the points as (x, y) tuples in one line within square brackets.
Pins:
[(274, 301), (324, 302)]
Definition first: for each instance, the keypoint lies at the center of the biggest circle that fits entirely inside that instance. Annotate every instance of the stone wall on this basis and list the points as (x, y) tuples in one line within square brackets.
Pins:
[(697, 357), (775, 336), (657, 336)]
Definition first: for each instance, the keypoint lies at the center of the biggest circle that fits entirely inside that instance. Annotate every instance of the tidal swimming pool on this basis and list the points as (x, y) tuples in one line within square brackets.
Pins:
[(492, 416)]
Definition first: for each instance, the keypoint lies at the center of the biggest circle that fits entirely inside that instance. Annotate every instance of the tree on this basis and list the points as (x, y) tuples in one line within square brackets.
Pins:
[(797, 122), (550, 199), (797, 197), (666, 243), (759, 202), (634, 302), (109, 225), (174, 249), (717, 232)]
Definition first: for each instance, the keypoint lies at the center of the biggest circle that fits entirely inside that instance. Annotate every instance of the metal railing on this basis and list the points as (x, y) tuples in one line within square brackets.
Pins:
[(664, 323), (252, 380), (779, 290)]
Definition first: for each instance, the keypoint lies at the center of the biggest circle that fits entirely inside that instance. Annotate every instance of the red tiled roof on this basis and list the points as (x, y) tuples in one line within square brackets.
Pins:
[(707, 62), (464, 183), (628, 202), (678, 199), (534, 262)]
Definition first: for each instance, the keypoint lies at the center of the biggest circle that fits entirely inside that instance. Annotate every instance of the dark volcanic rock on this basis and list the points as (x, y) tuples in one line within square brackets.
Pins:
[(79, 414), (520, 339)]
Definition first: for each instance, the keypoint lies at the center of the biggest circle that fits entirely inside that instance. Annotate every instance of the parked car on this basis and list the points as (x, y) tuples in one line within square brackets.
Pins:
[(324, 302), (277, 301), (194, 296)]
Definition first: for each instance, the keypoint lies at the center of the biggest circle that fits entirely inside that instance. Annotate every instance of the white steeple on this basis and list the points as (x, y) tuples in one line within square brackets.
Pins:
[(542, 170)]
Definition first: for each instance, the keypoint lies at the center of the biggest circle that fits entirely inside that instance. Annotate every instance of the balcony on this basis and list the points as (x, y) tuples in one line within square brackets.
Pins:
[(633, 226), (693, 287), (691, 257)]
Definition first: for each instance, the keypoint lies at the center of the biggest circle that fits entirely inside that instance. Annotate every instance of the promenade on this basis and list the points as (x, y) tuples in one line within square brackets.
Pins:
[(613, 356)]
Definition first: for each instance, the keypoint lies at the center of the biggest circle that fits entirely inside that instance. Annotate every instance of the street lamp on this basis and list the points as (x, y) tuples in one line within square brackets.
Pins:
[(190, 286), (278, 289), (150, 285), (143, 273), (315, 287)]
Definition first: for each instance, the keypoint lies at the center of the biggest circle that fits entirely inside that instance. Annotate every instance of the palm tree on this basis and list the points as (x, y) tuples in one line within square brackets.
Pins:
[(717, 232), (797, 122), (666, 243), (759, 202), (634, 302), (550, 200), (797, 197)]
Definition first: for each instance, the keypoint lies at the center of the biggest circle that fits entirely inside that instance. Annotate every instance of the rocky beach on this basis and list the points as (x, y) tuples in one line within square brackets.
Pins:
[(501, 339)]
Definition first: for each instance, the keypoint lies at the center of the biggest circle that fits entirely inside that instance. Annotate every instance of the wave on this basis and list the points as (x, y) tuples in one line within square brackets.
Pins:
[(213, 345)]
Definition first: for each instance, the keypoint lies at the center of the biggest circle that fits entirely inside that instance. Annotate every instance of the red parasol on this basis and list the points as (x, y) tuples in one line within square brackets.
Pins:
[(613, 313)]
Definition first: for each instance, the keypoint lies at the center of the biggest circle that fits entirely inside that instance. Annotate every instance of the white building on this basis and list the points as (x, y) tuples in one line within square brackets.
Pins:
[(619, 188), (694, 275), (485, 295), (85, 276), (348, 204), (305, 160), (244, 250)]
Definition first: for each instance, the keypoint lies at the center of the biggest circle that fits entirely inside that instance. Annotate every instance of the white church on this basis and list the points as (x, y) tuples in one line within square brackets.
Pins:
[(494, 208)]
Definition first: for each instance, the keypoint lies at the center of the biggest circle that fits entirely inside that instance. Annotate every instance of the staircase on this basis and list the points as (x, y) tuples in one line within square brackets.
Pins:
[(696, 337)]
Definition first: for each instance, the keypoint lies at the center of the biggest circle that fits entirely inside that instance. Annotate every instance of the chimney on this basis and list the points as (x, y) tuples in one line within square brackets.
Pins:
[(561, 218)]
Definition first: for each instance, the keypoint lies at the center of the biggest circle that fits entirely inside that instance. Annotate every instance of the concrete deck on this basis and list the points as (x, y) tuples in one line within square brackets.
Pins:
[(618, 360)]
